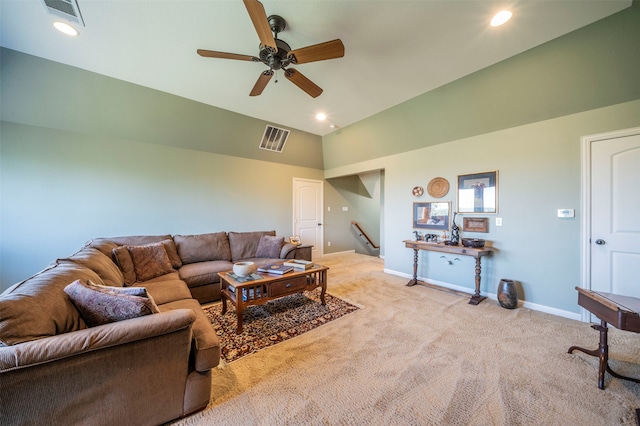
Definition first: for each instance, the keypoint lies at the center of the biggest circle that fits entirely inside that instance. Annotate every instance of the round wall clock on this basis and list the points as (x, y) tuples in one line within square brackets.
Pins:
[(418, 191), (438, 187)]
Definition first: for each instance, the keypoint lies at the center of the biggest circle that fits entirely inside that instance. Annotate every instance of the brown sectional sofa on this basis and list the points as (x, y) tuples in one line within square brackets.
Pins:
[(54, 369)]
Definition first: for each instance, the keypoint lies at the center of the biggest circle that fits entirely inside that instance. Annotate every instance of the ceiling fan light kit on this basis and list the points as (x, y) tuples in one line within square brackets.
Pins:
[(277, 54)]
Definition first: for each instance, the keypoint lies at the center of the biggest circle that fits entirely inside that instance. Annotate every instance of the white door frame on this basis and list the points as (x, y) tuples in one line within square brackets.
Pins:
[(586, 141)]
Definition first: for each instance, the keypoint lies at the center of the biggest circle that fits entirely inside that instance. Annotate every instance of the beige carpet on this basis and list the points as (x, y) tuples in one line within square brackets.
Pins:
[(419, 356)]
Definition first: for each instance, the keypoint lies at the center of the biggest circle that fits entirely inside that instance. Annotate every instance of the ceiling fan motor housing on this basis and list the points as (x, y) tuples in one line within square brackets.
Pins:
[(275, 60)]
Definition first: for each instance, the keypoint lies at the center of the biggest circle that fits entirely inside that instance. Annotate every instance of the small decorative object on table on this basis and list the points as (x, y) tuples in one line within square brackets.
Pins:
[(507, 294), (244, 269), (473, 242), (455, 232), (295, 239), (418, 236)]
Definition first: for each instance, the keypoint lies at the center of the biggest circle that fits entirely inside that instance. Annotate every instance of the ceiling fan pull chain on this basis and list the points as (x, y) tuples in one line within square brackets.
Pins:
[(276, 75)]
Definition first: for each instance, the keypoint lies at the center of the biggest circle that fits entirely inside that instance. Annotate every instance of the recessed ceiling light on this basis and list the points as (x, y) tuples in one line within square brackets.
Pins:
[(65, 28), (321, 116), (500, 18)]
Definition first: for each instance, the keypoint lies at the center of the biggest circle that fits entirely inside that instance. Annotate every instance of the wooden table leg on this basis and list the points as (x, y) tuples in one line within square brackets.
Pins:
[(414, 281), (476, 298), (224, 299), (323, 280), (602, 352)]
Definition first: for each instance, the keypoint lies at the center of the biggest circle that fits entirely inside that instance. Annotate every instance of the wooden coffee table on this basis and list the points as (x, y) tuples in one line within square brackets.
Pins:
[(269, 287)]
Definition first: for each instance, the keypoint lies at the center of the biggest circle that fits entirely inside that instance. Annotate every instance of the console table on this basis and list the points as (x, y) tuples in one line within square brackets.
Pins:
[(477, 253)]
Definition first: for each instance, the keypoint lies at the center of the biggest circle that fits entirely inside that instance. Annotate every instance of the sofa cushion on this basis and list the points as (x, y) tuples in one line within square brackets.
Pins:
[(101, 305), (38, 307), (101, 264), (207, 345), (195, 274), (168, 290), (149, 261), (269, 246), (203, 247), (245, 244)]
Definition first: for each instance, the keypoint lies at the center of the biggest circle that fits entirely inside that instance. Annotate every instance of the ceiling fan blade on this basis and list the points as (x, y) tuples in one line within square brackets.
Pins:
[(261, 83), (261, 23), (225, 55), (303, 82), (318, 52)]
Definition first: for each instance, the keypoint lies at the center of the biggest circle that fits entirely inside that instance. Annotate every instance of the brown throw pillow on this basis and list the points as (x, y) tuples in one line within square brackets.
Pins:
[(102, 305), (122, 258), (150, 261), (269, 247)]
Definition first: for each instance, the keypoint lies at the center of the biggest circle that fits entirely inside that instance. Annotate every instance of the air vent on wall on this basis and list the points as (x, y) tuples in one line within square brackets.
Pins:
[(274, 139), (67, 9)]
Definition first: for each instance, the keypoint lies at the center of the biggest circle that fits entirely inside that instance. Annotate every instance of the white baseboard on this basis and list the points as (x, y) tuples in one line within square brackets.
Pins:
[(524, 304), (338, 252)]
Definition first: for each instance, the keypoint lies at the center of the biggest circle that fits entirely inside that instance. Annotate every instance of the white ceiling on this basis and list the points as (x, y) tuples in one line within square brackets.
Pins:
[(394, 49)]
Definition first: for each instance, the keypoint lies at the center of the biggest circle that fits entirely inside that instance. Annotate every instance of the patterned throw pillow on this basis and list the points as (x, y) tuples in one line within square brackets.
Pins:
[(150, 261), (99, 304), (269, 247)]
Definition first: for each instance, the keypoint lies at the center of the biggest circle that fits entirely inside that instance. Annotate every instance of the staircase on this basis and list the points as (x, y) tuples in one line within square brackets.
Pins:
[(367, 241)]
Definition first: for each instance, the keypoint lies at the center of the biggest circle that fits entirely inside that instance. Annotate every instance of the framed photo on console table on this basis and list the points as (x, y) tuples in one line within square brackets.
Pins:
[(431, 215), (478, 192)]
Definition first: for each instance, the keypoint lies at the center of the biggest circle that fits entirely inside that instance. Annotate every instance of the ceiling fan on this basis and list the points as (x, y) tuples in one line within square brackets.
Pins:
[(276, 53)]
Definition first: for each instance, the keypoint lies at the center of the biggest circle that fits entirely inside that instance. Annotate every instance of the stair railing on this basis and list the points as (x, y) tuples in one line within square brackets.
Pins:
[(363, 235)]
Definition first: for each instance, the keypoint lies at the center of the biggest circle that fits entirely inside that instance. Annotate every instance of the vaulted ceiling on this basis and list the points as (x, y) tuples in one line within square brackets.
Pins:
[(394, 49)]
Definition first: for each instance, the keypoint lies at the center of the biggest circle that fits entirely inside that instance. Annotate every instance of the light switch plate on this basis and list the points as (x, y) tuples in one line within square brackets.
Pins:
[(566, 213)]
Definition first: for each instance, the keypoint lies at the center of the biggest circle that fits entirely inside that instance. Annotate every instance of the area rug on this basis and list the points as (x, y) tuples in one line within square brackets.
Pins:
[(275, 321)]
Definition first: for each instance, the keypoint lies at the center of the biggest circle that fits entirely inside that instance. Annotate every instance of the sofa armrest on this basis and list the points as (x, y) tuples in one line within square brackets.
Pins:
[(91, 339), (288, 251), (130, 372)]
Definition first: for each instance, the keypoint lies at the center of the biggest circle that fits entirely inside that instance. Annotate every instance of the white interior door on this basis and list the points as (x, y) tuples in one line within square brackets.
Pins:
[(614, 237), (307, 213)]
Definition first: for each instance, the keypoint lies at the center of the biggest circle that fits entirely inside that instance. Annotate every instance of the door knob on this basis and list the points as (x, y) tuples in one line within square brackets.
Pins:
[(319, 224), (600, 242)]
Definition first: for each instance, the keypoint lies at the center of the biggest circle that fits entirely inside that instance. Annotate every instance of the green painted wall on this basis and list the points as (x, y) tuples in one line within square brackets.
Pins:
[(83, 155), (539, 168), (47, 94), (60, 189)]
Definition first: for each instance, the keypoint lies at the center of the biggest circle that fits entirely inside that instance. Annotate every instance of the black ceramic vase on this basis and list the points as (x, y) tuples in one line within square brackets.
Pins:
[(507, 294)]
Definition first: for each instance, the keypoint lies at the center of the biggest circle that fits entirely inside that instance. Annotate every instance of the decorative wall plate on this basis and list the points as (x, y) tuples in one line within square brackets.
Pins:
[(418, 191), (438, 187)]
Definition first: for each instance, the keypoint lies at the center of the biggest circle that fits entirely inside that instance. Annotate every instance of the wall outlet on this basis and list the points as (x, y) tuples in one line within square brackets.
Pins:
[(328, 209), (345, 209), (328, 243), (498, 221)]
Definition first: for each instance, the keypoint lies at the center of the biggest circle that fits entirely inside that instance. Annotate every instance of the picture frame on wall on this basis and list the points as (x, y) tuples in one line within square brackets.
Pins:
[(432, 215), (478, 192), (475, 224)]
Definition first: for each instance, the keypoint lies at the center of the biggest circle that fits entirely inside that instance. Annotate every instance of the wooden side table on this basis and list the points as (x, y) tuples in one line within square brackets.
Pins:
[(303, 252), (477, 253)]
